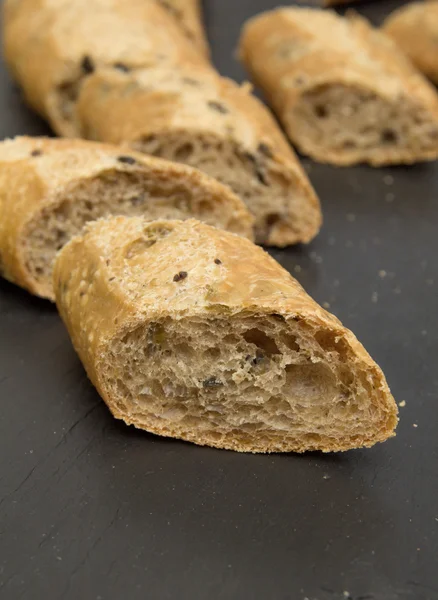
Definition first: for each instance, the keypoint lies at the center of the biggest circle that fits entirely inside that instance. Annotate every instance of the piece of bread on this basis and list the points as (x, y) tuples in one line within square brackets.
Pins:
[(343, 91), (52, 46), (49, 189), (167, 101), (414, 27), (195, 333), (188, 15), (193, 116)]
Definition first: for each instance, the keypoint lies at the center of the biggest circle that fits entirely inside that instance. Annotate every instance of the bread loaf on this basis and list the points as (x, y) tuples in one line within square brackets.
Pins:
[(195, 333), (52, 46), (343, 90), (125, 74), (191, 115), (188, 15), (414, 27), (50, 188)]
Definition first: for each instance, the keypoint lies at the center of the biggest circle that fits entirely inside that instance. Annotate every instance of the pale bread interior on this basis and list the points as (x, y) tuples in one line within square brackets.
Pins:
[(281, 207), (118, 193), (245, 382), (355, 124)]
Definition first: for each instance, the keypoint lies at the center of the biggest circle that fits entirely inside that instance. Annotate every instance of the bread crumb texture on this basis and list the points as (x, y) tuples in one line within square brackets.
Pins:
[(195, 333)]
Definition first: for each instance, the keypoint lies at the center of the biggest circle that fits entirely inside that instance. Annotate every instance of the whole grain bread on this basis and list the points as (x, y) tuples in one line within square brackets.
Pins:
[(343, 91), (127, 75), (193, 116), (52, 46), (188, 14), (49, 189), (414, 28), (195, 333)]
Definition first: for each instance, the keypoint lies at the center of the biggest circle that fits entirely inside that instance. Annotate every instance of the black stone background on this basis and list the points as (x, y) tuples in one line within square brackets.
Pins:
[(93, 510)]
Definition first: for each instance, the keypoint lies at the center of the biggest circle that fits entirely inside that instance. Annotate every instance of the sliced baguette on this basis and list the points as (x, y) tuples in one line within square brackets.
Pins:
[(343, 90), (49, 189), (154, 91), (195, 333), (193, 116), (52, 47)]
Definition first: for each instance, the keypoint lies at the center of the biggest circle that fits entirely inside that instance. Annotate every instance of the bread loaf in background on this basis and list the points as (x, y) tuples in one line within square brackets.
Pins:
[(195, 333), (193, 116), (123, 71), (52, 47), (343, 91), (414, 28), (49, 189)]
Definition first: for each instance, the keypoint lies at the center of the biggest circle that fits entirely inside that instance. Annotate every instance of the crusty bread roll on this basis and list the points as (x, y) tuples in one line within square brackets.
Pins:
[(50, 188), (188, 15), (414, 27), (343, 90), (126, 74), (193, 116), (52, 46), (195, 333)]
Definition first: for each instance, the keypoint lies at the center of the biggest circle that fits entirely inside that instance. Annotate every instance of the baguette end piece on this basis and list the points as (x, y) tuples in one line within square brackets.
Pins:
[(195, 333)]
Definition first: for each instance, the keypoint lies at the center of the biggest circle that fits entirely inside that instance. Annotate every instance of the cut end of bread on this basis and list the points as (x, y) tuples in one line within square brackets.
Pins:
[(258, 383), (116, 193), (286, 211), (348, 125)]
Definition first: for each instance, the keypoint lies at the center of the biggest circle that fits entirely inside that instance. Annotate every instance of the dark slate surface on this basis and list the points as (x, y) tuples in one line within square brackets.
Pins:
[(93, 510)]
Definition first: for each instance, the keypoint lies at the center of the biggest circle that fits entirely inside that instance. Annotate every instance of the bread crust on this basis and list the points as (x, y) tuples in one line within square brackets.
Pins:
[(414, 28), (52, 47), (103, 292), (36, 174), (292, 51)]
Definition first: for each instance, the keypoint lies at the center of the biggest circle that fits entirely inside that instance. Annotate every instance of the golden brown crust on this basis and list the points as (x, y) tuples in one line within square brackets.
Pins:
[(414, 28), (37, 173), (51, 47), (103, 291), (292, 51), (188, 15)]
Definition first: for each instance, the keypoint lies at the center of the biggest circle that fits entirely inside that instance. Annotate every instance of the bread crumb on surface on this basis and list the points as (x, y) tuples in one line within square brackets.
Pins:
[(326, 304), (382, 274), (388, 180), (402, 404), (389, 197), (414, 425)]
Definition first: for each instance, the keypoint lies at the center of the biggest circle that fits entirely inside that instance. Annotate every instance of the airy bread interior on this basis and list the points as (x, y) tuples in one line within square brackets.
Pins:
[(116, 193), (355, 124), (272, 193), (245, 382)]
